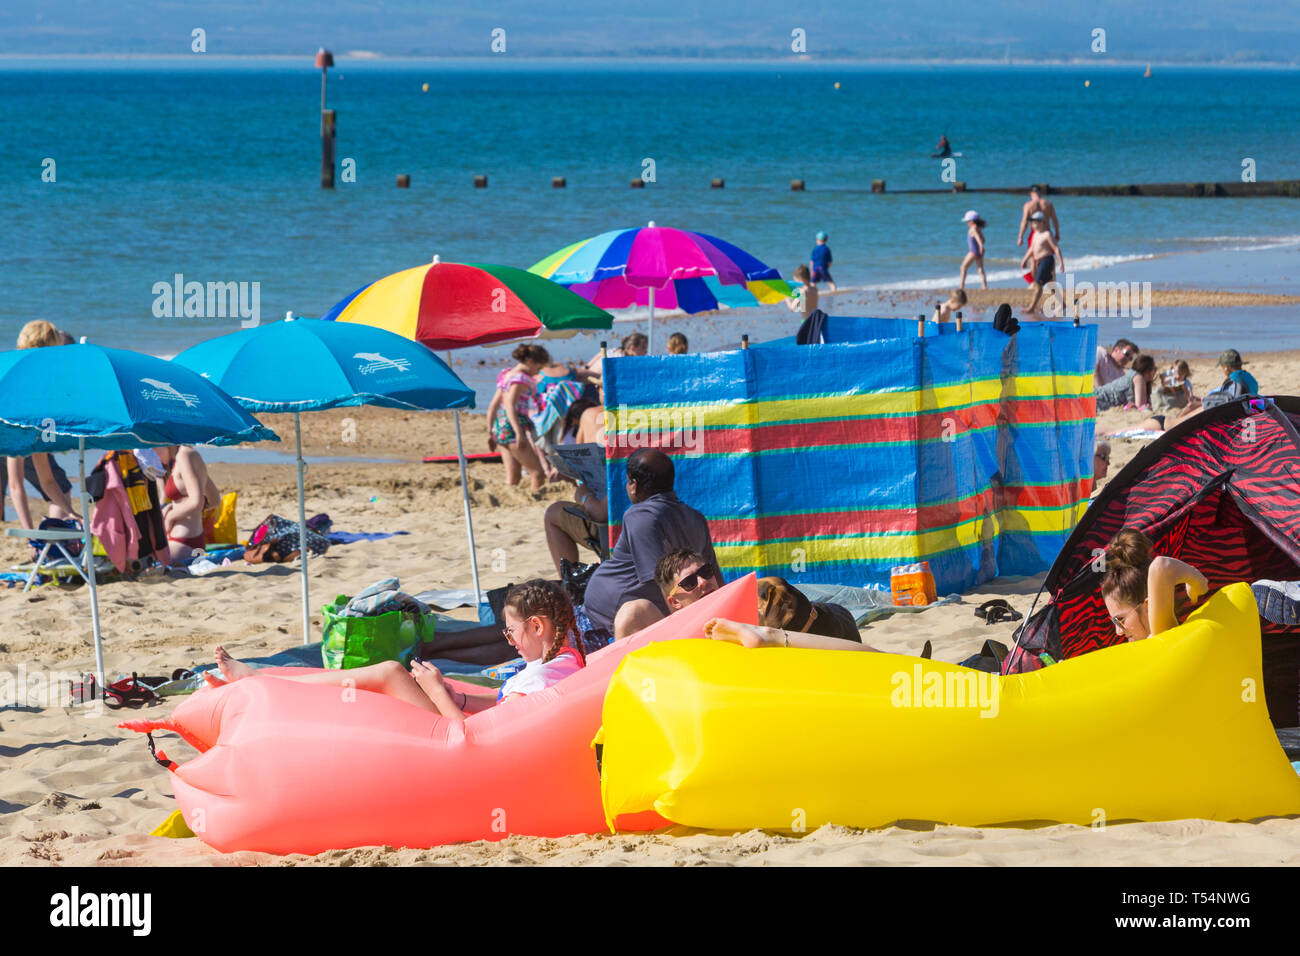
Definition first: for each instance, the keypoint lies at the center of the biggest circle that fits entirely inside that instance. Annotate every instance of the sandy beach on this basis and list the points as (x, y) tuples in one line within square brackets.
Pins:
[(77, 790)]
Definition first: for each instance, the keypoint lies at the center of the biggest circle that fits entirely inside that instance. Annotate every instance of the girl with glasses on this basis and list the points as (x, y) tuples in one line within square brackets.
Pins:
[(539, 622)]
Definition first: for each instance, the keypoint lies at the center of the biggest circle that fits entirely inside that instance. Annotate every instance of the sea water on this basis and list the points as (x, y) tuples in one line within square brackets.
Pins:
[(209, 169)]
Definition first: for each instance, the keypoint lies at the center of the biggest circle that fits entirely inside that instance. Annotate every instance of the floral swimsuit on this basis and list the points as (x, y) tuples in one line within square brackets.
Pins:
[(502, 430)]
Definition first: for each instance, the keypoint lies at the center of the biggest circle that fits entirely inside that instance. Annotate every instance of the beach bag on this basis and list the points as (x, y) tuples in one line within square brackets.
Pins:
[(1038, 643), (276, 540), (72, 545), (225, 530), (350, 642)]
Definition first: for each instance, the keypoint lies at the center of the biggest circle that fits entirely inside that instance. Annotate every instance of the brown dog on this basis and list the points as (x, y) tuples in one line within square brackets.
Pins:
[(781, 604)]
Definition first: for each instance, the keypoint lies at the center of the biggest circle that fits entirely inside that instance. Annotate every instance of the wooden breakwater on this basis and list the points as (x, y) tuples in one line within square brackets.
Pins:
[(1289, 188)]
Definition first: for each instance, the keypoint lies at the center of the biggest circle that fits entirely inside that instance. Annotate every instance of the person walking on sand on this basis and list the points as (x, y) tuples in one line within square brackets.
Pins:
[(1044, 251), (1037, 203), (820, 262), (974, 248)]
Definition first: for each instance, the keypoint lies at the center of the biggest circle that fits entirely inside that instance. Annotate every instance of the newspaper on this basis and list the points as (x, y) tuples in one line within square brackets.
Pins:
[(581, 462)]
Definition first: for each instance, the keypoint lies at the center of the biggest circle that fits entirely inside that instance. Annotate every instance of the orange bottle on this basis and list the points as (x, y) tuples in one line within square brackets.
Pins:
[(912, 584)]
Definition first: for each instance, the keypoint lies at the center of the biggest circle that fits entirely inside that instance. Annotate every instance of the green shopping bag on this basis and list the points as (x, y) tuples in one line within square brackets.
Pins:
[(357, 641)]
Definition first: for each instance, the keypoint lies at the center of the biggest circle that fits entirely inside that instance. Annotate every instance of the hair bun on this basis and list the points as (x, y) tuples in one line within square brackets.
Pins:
[(1129, 549)]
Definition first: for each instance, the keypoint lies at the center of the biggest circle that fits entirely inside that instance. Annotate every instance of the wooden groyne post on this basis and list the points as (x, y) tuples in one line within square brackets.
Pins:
[(324, 60)]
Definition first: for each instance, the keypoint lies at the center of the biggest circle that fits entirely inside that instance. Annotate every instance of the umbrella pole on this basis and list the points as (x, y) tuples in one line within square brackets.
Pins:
[(302, 532), (88, 554), (650, 339), (469, 521)]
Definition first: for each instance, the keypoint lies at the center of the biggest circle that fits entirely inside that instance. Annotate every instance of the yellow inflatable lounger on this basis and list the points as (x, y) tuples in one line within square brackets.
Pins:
[(718, 736)]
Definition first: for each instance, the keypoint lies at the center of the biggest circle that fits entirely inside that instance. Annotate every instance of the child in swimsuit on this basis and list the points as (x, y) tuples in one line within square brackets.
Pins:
[(805, 299), (510, 428), (1044, 251), (539, 622), (974, 248)]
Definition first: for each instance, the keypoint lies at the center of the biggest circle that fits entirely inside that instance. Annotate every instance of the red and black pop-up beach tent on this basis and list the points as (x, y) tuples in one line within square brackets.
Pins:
[(1220, 491)]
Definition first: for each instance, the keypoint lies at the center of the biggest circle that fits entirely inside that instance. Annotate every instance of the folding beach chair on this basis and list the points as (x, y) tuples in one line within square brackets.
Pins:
[(597, 531), (53, 539)]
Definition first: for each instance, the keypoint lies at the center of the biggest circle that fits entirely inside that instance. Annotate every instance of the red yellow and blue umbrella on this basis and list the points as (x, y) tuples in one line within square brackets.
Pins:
[(450, 305), (658, 266)]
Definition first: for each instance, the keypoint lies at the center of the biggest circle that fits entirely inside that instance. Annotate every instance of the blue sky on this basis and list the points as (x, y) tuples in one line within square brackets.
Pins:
[(1029, 29)]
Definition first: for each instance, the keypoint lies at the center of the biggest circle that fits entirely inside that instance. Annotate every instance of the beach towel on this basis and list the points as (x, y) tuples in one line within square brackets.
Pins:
[(383, 597), (351, 537), (1136, 434), (113, 521), (446, 600), (142, 493), (813, 330), (553, 404), (867, 604)]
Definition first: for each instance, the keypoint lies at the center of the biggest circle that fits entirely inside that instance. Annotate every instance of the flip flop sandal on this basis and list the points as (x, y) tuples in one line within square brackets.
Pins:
[(1003, 613), (997, 606), (129, 690)]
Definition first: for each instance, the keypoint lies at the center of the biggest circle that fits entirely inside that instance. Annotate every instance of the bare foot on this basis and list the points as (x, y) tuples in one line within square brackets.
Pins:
[(230, 668), (720, 629)]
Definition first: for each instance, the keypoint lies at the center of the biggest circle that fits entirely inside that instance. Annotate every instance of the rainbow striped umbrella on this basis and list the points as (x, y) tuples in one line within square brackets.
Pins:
[(450, 305), (660, 266)]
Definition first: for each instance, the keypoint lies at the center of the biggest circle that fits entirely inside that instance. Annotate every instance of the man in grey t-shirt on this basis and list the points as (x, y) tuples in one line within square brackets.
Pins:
[(655, 524)]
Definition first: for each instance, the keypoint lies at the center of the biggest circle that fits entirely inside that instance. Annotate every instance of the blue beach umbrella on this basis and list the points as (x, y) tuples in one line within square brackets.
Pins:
[(302, 365), (85, 396)]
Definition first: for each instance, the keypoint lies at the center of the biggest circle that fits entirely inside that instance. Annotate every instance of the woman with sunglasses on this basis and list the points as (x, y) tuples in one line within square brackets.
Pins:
[(539, 623), (1139, 589)]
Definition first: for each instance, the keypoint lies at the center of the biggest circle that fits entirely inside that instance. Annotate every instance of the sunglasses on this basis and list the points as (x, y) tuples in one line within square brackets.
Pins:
[(704, 572), (509, 631), (1119, 619), (1105, 458)]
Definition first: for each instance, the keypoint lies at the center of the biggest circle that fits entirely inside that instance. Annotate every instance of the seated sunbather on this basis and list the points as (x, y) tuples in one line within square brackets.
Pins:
[(683, 576), (565, 530), (539, 623), (189, 491)]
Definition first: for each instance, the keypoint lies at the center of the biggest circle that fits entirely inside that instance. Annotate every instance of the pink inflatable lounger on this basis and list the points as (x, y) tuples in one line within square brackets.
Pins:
[(288, 767)]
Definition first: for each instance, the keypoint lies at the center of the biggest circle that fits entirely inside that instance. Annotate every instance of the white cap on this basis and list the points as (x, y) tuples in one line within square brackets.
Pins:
[(971, 215)]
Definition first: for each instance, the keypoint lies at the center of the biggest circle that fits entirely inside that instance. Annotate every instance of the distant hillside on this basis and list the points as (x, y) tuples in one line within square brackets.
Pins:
[(1190, 30)]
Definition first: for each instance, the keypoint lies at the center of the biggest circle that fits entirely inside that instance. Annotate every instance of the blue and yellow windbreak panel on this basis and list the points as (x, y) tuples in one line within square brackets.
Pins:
[(833, 463)]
